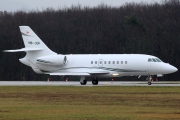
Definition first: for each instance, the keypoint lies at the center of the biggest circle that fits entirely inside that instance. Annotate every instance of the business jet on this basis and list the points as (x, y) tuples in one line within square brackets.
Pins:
[(44, 61)]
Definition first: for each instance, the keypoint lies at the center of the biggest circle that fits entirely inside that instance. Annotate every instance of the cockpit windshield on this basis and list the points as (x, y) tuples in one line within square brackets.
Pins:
[(154, 60), (158, 60), (150, 60)]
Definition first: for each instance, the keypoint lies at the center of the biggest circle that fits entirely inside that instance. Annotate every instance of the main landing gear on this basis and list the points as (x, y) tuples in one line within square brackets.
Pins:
[(95, 81), (83, 81)]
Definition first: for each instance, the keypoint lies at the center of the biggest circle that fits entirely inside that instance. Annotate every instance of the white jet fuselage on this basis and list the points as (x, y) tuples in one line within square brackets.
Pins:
[(104, 65), (44, 61)]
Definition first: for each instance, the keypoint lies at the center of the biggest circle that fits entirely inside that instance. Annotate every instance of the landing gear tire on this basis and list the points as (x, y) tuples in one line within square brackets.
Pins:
[(149, 83), (84, 82), (94, 82)]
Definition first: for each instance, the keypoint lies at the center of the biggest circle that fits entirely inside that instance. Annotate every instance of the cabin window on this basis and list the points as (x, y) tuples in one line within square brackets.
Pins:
[(104, 62), (121, 62), (154, 60), (95, 62), (117, 62), (109, 62), (125, 62), (91, 62), (100, 62), (150, 60), (113, 62)]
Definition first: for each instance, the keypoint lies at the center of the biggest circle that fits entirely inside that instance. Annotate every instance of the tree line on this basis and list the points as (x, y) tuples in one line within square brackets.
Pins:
[(133, 28)]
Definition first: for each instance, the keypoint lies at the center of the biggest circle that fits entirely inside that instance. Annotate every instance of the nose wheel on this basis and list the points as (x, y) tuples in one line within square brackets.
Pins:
[(149, 83), (149, 78)]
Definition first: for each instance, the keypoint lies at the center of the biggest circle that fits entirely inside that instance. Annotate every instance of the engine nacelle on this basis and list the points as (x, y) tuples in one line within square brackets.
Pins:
[(52, 60)]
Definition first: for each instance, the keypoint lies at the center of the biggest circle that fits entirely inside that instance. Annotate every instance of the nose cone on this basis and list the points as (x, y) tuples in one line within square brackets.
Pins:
[(172, 69)]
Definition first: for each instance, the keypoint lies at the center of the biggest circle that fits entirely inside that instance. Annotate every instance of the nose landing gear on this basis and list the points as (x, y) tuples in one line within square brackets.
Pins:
[(149, 83), (149, 78)]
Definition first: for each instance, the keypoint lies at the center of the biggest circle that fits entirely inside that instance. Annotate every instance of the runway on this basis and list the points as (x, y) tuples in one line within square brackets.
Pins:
[(76, 83)]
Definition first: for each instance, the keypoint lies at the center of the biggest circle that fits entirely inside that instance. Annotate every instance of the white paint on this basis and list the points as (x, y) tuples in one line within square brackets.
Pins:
[(44, 61)]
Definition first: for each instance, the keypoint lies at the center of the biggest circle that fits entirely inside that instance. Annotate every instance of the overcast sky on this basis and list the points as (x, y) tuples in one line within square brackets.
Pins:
[(14, 5)]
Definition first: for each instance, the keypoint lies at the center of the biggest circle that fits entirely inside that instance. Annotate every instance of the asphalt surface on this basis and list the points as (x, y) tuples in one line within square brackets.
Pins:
[(77, 83)]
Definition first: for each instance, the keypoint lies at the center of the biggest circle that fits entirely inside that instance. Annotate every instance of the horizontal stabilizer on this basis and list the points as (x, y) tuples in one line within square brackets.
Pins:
[(26, 49), (74, 74)]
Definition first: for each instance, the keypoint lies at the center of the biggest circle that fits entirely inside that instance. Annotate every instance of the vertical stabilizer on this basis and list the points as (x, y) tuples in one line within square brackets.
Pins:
[(32, 41), (34, 48)]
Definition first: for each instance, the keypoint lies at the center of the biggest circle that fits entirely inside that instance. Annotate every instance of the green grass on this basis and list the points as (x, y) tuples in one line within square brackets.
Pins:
[(90, 103)]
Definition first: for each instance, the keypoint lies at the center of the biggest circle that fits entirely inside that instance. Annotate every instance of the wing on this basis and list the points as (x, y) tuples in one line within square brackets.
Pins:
[(80, 73), (73, 74)]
